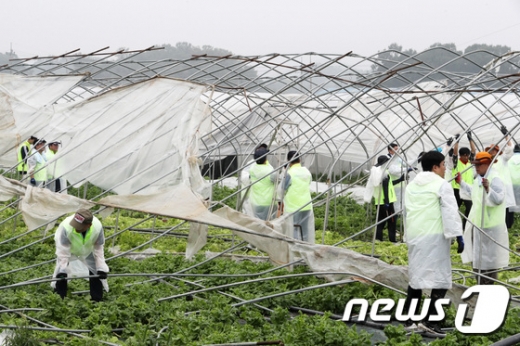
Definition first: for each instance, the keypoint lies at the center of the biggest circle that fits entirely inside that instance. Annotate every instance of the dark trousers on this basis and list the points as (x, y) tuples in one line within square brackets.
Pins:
[(492, 273), (383, 213), (96, 287), (467, 205), (437, 293), (510, 218)]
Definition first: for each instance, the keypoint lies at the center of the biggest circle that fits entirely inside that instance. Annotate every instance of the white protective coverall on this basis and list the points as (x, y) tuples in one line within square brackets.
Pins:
[(503, 167), (72, 250), (432, 220), (492, 255), (514, 171), (396, 170), (36, 165)]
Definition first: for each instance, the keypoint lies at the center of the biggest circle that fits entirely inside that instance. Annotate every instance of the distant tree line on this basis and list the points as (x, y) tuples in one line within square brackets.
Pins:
[(443, 56), (446, 57)]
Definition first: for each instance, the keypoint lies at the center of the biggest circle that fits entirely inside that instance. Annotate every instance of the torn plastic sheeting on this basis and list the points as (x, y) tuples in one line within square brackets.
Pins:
[(24, 109), (178, 202), (322, 258), (273, 245), (132, 138), (40, 206), (10, 188)]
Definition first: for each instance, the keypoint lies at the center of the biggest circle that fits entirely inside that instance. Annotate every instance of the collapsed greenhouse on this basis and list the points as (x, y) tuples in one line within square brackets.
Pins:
[(160, 150)]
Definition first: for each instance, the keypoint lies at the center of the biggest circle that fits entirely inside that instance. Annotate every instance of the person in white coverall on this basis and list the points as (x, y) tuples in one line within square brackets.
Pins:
[(514, 171), (36, 162), (81, 237), (396, 170), (432, 221), (488, 193), (501, 164)]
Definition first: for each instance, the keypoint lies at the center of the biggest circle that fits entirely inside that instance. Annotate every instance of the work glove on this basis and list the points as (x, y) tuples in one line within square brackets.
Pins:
[(458, 178), (102, 275), (61, 275), (387, 206), (450, 141), (457, 136), (33, 182), (469, 136), (503, 129), (460, 242), (61, 285)]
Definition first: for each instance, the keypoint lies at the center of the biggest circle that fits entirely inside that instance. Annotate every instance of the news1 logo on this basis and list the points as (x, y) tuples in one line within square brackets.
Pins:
[(490, 309)]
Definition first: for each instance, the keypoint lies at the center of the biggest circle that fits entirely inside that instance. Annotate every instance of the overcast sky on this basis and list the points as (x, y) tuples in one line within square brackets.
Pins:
[(45, 27)]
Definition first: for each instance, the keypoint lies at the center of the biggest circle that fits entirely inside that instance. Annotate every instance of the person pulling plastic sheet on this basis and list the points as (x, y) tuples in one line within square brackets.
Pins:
[(488, 193), (432, 220), (81, 237)]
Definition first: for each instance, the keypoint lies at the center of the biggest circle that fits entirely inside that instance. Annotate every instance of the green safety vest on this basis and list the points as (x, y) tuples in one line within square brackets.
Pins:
[(22, 166), (49, 155), (82, 246), (40, 174), (466, 176), (418, 199), (262, 190), (493, 216), (379, 198), (298, 193)]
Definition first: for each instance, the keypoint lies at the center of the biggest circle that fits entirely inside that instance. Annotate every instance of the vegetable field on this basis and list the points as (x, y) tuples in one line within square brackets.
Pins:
[(229, 294)]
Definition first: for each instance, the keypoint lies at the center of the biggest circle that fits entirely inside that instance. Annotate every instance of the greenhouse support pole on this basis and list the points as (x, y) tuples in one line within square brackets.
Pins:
[(153, 229), (116, 226), (326, 218)]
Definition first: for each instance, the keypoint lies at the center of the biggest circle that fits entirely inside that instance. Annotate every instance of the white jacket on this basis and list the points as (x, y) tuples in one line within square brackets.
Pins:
[(432, 220)]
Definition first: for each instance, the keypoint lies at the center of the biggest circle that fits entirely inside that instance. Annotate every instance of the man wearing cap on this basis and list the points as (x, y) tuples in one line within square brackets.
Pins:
[(380, 186), (36, 163), (23, 153), (262, 190), (54, 184), (462, 164), (297, 198), (487, 213), (80, 237)]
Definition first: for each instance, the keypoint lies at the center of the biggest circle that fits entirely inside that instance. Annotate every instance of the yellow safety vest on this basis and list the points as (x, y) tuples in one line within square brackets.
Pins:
[(466, 176), (39, 173), (262, 191), (379, 198), (82, 246), (493, 215), (49, 155), (299, 192), (22, 166), (418, 199)]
